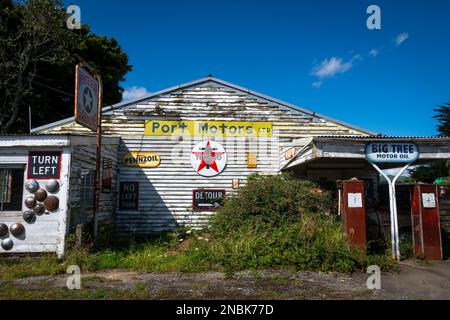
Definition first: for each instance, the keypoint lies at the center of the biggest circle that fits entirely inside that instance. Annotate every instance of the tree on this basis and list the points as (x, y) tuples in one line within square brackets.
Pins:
[(37, 63), (30, 34), (429, 173), (443, 117)]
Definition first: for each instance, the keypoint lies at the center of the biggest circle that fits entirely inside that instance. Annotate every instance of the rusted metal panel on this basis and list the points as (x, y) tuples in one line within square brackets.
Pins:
[(83, 158)]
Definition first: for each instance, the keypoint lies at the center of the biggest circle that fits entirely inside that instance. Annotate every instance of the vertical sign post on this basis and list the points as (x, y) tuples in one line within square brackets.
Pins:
[(392, 152), (88, 113)]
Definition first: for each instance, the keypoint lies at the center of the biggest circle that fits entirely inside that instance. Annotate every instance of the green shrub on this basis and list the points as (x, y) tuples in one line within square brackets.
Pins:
[(272, 201), (279, 221)]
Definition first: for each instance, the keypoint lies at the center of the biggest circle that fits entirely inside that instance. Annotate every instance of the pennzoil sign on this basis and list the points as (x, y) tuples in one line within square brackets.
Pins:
[(142, 159)]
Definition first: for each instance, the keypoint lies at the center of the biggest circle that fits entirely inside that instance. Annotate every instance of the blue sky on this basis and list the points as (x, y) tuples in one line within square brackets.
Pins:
[(317, 54)]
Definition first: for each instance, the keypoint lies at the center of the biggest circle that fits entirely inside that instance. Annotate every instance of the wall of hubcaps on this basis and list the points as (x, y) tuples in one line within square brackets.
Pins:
[(39, 202)]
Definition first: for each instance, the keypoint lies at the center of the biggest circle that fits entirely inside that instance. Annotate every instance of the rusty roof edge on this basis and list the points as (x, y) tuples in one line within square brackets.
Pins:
[(216, 80), (382, 138)]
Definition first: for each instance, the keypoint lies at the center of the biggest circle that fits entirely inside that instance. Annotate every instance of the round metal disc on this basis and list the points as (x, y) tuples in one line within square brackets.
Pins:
[(52, 186), (3, 229), (39, 209), (51, 203), (17, 229), (32, 186), (7, 244), (30, 202), (29, 216), (41, 195)]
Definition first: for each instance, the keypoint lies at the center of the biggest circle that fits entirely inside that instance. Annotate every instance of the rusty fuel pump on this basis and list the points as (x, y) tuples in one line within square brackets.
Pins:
[(426, 229), (352, 210)]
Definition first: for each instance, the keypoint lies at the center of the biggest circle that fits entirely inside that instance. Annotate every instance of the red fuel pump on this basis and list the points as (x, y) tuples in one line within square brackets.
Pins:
[(352, 208), (426, 229)]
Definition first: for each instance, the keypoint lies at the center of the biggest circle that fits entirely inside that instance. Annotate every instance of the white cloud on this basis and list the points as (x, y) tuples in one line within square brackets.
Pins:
[(317, 84), (330, 67), (401, 38), (133, 93), (374, 52)]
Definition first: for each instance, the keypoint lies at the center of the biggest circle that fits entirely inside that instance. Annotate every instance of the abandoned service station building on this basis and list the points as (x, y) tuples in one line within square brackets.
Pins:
[(172, 158)]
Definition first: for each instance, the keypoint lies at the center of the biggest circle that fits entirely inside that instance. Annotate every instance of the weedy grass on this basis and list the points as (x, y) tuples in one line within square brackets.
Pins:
[(272, 222)]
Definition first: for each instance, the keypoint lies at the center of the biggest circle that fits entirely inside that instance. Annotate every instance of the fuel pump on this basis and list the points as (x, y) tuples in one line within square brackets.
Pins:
[(352, 210), (426, 229)]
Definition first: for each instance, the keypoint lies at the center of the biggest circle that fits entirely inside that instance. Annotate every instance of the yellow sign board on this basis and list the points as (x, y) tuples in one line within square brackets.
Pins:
[(252, 160), (142, 159), (208, 128)]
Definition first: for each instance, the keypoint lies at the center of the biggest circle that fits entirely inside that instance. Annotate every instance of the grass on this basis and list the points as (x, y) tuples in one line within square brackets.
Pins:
[(11, 292), (156, 254), (165, 253)]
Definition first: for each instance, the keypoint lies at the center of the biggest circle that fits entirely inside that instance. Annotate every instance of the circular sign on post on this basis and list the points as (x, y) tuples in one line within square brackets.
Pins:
[(392, 152), (208, 158)]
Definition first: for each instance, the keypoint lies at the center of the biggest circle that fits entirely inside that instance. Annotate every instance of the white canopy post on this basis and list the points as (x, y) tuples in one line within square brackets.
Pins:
[(395, 241), (397, 245), (391, 211)]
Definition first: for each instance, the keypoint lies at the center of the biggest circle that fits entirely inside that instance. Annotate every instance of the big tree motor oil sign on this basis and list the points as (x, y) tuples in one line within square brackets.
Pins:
[(392, 152), (86, 99)]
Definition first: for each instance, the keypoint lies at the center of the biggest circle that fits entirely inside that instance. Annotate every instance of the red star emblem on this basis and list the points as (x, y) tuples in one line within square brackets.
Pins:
[(208, 158)]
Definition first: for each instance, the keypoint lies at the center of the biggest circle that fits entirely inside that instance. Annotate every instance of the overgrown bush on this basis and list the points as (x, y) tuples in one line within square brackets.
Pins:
[(279, 221), (271, 201)]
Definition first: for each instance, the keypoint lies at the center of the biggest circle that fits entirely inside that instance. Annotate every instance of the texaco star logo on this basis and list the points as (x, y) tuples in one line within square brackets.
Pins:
[(208, 158), (87, 99)]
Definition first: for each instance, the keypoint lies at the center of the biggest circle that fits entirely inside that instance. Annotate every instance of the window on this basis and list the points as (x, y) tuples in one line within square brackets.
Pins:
[(11, 189), (87, 188)]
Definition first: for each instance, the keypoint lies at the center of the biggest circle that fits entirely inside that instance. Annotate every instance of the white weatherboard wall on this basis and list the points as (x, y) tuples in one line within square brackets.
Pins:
[(166, 191), (165, 198), (47, 233)]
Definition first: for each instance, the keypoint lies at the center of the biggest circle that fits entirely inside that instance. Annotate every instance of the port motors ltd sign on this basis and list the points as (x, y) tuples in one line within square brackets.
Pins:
[(392, 152), (208, 128)]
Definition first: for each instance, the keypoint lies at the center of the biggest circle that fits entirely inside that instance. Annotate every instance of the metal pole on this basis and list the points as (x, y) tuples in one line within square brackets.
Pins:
[(29, 117), (391, 211), (98, 144), (99, 154), (397, 245)]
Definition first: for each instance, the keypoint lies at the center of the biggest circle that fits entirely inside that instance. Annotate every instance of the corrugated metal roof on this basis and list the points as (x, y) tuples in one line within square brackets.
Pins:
[(383, 138)]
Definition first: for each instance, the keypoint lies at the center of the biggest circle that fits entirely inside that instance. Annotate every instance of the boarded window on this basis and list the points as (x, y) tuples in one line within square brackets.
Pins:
[(87, 188), (11, 189)]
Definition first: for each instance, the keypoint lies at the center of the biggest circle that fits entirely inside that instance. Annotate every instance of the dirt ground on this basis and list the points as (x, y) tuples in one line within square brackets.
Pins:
[(415, 280)]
